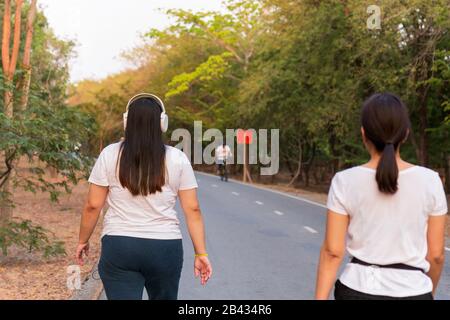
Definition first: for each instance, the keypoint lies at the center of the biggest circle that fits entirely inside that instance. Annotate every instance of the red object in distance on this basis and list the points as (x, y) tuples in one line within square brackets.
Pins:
[(244, 136)]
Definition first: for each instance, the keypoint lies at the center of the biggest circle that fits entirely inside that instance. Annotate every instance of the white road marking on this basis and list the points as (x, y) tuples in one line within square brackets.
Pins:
[(214, 186), (279, 213), (447, 249), (235, 193), (269, 190), (259, 203), (310, 229)]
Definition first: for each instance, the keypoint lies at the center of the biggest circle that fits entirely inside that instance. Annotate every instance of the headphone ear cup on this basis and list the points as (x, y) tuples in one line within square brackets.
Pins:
[(164, 122)]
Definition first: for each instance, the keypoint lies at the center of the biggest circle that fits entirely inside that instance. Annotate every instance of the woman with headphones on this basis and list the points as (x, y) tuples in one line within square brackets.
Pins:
[(140, 178), (389, 215)]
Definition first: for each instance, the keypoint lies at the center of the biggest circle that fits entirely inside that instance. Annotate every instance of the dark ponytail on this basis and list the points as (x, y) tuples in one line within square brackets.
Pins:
[(386, 125), (387, 170)]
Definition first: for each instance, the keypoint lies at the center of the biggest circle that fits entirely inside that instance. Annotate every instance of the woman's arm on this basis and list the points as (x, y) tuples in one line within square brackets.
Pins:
[(436, 247), (194, 221), (94, 205), (331, 254)]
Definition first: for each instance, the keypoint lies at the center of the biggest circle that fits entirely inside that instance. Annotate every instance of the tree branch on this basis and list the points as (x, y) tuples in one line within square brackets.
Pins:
[(8, 162)]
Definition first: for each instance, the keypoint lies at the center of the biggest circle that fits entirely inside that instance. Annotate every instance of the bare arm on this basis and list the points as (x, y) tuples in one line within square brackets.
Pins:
[(94, 205), (436, 248), (196, 228), (331, 254), (194, 219)]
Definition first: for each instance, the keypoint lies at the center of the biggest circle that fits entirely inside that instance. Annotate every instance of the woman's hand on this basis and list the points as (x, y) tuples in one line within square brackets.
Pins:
[(194, 221), (83, 248), (202, 268)]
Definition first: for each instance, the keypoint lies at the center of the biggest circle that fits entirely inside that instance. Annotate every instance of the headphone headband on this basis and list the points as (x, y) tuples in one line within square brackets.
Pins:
[(147, 95), (164, 118)]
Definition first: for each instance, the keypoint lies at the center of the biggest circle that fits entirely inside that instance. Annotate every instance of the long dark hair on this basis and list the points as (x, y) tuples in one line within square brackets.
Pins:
[(386, 125), (143, 153)]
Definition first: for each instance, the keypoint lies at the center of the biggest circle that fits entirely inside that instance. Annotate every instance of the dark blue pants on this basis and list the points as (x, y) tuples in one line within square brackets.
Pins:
[(128, 264)]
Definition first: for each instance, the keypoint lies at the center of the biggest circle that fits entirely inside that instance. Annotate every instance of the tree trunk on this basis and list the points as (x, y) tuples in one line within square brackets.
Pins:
[(308, 165), (6, 38), (26, 63), (335, 161), (413, 139), (423, 137), (306, 170), (323, 176), (9, 65), (6, 209), (299, 166), (8, 99), (316, 171), (422, 75), (289, 167)]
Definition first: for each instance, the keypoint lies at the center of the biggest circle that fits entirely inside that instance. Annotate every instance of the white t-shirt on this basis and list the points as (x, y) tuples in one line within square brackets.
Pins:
[(387, 229), (223, 153), (150, 217)]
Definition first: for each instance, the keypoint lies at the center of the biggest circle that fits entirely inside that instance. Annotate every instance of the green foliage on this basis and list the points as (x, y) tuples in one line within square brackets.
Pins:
[(212, 69), (319, 62), (25, 234), (208, 87), (48, 133), (306, 67), (51, 135)]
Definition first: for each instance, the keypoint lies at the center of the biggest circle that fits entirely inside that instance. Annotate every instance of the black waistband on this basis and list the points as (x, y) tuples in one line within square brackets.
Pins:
[(389, 266)]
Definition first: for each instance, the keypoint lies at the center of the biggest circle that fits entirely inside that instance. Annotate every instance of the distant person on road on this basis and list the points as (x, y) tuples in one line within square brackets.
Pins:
[(392, 214), (223, 153), (141, 179)]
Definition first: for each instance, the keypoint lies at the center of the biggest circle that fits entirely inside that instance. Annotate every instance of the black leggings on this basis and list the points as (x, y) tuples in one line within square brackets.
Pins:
[(222, 168), (128, 264), (342, 292)]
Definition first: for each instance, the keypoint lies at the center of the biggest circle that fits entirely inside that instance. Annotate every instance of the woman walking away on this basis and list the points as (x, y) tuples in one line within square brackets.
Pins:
[(392, 214), (141, 178)]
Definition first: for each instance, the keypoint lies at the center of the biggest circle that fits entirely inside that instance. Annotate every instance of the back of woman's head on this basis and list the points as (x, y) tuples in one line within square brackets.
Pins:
[(386, 125), (142, 160)]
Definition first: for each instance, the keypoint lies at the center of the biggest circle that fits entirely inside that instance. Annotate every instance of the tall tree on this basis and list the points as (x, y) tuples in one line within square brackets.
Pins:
[(9, 64), (26, 62), (9, 59), (232, 38)]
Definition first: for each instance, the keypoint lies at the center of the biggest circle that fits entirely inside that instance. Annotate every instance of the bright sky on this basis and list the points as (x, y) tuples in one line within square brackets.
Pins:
[(103, 29)]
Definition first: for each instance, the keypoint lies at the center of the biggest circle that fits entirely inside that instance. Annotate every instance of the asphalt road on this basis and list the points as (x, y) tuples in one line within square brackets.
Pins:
[(262, 244)]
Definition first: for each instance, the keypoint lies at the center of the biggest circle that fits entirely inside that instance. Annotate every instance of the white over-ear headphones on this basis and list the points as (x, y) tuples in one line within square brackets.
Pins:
[(164, 117)]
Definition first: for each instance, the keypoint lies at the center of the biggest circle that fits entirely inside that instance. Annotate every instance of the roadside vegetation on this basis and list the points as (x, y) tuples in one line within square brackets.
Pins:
[(304, 67)]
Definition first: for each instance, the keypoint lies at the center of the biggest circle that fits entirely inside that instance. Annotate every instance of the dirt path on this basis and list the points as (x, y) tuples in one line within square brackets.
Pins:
[(29, 276)]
